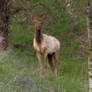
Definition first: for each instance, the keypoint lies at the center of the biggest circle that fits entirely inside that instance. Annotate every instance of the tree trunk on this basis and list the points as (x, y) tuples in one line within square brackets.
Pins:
[(4, 24), (89, 30)]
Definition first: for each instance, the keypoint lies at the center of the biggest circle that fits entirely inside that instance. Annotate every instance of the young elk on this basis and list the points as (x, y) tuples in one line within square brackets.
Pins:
[(46, 45)]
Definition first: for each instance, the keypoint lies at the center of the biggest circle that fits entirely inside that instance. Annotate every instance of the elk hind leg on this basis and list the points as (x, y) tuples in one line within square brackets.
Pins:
[(51, 63), (56, 61)]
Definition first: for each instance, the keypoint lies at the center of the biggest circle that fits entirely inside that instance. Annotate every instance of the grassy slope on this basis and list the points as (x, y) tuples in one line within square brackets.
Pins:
[(19, 70)]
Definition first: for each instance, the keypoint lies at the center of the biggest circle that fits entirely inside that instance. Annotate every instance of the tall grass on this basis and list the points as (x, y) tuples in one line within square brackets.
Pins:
[(19, 70)]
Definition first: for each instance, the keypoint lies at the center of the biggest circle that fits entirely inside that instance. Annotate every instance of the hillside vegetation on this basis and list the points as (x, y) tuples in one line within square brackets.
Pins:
[(19, 70)]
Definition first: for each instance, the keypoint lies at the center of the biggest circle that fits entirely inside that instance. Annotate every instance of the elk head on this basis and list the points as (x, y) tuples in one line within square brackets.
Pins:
[(38, 22)]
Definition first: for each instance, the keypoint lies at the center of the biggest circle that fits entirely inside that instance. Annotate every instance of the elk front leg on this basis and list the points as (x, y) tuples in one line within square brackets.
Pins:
[(40, 63)]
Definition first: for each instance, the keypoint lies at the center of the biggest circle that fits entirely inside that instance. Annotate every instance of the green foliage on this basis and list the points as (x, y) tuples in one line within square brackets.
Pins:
[(19, 70)]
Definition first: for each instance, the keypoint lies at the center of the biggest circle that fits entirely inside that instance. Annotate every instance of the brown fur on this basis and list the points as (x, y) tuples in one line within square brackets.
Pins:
[(46, 45), (38, 36)]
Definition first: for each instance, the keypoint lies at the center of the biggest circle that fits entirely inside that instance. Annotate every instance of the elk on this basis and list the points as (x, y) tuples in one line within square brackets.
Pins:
[(47, 45)]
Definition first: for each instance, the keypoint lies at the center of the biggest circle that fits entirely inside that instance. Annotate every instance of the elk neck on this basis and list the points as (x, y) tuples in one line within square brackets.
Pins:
[(38, 36)]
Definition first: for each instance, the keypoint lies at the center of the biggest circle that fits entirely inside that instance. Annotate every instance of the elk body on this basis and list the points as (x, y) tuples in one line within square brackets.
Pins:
[(46, 45)]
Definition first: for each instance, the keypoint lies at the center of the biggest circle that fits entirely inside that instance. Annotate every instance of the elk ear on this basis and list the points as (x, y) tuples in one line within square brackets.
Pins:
[(41, 19), (35, 19)]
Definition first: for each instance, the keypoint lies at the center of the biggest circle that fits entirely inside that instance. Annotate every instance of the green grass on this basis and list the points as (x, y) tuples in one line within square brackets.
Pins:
[(19, 73), (19, 70)]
